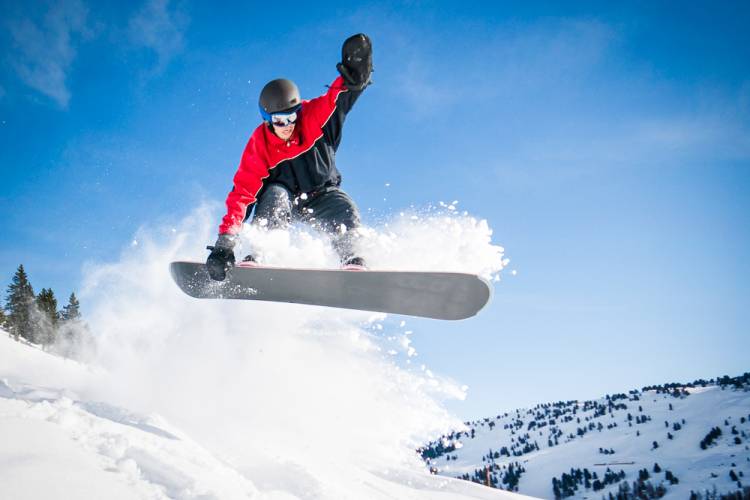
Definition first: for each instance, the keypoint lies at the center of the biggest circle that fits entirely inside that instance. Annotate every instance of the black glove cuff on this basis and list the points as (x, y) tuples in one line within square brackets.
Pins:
[(352, 83), (226, 241)]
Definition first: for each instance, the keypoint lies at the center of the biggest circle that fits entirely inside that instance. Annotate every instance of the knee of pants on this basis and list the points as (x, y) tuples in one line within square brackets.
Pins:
[(348, 217), (274, 207), (343, 224), (336, 209)]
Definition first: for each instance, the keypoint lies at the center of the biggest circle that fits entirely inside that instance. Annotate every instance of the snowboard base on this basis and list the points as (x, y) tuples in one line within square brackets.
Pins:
[(438, 295)]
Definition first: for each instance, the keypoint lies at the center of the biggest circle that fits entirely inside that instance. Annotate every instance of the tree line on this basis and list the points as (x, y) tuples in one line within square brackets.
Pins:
[(36, 319)]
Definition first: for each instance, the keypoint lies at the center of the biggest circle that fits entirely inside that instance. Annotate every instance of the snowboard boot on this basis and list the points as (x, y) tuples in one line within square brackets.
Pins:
[(248, 261), (354, 263)]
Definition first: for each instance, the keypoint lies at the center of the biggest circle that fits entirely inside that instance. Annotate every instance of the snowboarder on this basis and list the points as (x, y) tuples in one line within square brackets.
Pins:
[(288, 169)]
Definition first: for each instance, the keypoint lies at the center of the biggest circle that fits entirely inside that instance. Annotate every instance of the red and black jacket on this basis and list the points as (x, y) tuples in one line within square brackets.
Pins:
[(305, 163)]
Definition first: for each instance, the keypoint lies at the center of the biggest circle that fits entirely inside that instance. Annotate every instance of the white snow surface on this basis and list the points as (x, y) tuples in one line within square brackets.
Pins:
[(237, 399)]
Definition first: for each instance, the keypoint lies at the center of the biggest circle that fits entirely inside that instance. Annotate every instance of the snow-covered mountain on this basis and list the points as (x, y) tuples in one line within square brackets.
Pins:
[(56, 441), (678, 440)]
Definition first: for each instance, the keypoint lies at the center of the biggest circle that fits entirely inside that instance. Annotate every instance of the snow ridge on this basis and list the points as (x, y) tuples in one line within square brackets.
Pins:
[(660, 434), (122, 454)]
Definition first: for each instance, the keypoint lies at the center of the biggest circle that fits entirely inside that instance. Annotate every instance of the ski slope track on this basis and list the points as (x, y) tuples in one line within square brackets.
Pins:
[(623, 433), (190, 399)]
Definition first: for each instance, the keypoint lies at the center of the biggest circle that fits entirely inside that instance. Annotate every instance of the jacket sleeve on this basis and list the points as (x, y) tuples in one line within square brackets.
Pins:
[(331, 108), (247, 182)]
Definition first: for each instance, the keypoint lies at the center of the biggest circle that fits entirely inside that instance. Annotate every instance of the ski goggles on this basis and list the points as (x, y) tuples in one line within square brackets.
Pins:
[(284, 119), (281, 119)]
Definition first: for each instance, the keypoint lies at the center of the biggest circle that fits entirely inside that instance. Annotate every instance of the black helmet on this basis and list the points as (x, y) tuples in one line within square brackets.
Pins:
[(277, 96)]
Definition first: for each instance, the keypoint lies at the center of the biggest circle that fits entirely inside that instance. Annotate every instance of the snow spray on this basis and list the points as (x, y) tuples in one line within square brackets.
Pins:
[(274, 388)]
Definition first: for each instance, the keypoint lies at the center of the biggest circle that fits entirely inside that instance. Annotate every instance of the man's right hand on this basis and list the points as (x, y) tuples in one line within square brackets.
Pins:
[(221, 258)]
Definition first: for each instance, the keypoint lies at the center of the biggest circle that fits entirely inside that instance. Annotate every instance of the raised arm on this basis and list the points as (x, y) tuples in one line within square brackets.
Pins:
[(329, 110)]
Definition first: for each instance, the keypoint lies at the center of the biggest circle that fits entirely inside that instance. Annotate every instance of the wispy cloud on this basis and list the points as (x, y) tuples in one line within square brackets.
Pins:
[(422, 91), (159, 27), (560, 97), (511, 62), (45, 49)]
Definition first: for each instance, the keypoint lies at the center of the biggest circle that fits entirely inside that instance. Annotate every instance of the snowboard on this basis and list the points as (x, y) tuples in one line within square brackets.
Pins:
[(438, 295)]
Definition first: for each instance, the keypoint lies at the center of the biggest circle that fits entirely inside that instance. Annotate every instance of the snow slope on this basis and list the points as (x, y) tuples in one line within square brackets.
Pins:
[(220, 399), (605, 424)]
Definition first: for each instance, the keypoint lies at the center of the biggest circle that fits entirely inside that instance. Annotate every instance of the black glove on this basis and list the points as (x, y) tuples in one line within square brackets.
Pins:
[(356, 61), (221, 258)]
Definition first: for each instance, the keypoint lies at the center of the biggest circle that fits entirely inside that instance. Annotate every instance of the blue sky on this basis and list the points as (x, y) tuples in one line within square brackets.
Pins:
[(607, 145)]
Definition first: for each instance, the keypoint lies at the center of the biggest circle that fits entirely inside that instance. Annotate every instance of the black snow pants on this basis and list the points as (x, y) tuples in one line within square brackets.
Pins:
[(330, 210)]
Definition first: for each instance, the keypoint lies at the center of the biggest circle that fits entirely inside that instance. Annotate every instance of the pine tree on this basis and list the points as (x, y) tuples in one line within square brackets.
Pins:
[(45, 318), (19, 304), (670, 477), (74, 340), (3, 318), (72, 311)]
